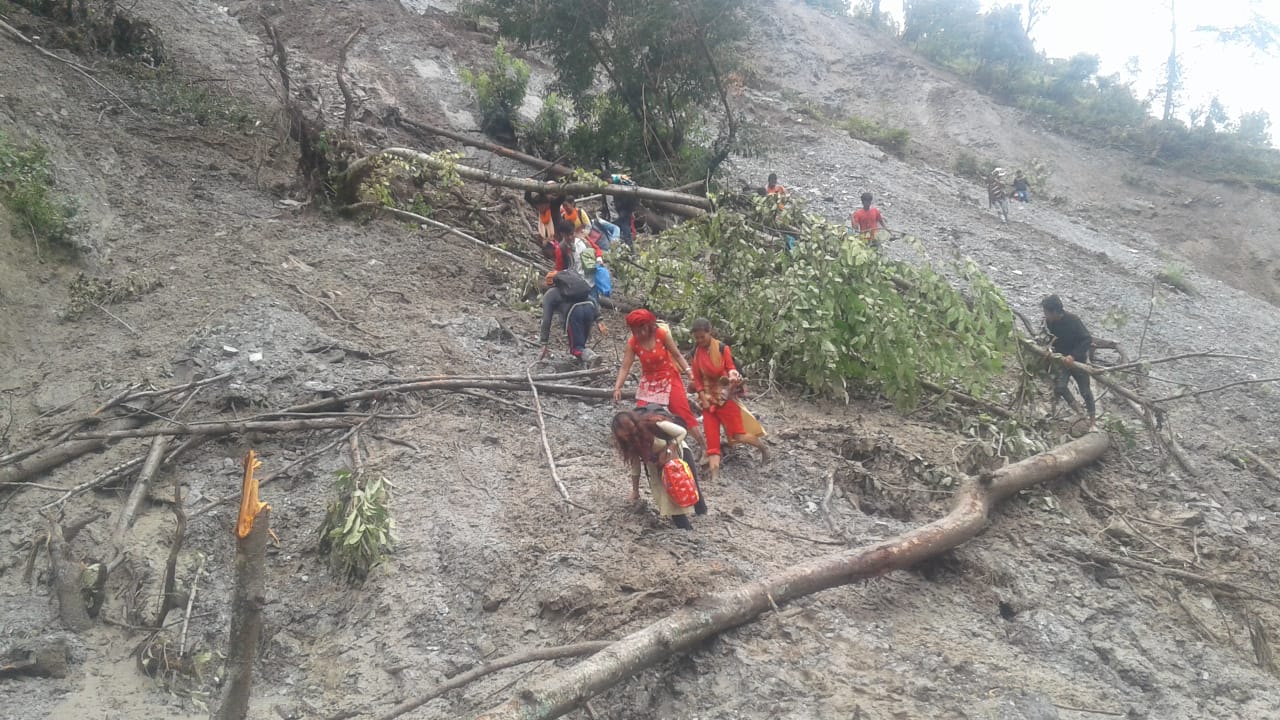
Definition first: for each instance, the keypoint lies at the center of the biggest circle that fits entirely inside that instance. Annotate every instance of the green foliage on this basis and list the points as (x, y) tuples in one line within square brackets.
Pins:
[(167, 92), (26, 189), (890, 139), (641, 76), (357, 532), (499, 91), (1175, 275), (548, 132), (832, 313)]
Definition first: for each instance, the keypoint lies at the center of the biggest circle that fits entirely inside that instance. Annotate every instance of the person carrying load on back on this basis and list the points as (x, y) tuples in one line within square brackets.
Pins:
[(661, 368), (569, 296), (719, 386), (599, 233), (1072, 340), (867, 220), (625, 205), (656, 442), (547, 205), (1021, 189), (995, 193)]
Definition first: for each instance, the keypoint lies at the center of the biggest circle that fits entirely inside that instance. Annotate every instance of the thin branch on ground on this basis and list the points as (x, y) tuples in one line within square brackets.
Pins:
[(1172, 358), (550, 653), (113, 316), (1197, 393), (546, 444)]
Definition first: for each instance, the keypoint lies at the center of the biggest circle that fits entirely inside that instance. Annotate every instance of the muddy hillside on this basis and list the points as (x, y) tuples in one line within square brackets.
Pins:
[(205, 280)]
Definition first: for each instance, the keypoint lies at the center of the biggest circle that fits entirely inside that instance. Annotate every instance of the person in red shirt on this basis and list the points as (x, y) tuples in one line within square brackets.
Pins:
[(719, 386), (661, 368), (867, 220)]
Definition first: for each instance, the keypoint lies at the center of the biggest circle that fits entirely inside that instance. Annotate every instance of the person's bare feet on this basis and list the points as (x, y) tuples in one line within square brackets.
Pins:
[(765, 456)]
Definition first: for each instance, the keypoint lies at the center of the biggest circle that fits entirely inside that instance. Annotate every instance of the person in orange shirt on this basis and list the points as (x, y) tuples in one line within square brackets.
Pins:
[(867, 220), (772, 187), (719, 385), (547, 205)]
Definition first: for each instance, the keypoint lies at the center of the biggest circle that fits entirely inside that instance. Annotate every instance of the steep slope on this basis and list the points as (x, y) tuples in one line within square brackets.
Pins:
[(1014, 625)]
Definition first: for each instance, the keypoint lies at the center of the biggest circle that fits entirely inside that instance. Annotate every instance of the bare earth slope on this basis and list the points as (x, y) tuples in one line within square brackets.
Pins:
[(1013, 625)]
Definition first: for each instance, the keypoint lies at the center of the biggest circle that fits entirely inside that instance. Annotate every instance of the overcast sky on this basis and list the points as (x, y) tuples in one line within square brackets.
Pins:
[(1116, 30)]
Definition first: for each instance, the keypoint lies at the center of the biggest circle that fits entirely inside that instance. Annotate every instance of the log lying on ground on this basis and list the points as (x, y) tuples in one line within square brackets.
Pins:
[(690, 626), (28, 469), (360, 169)]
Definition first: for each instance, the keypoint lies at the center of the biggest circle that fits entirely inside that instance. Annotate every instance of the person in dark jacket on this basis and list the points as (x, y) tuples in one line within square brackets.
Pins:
[(625, 205), (1021, 188), (1072, 340), (569, 296)]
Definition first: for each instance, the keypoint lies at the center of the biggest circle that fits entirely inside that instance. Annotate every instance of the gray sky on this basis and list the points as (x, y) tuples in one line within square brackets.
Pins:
[(1116, 30)]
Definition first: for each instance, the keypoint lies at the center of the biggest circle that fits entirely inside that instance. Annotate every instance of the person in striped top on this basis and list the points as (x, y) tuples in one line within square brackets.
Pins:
[(996, 196)]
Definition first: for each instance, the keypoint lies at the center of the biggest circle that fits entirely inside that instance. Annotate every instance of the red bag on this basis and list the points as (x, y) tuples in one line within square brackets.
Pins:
[(677, 478)]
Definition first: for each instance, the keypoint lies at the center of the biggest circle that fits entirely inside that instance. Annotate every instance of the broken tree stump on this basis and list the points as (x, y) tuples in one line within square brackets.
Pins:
[(253, 527)]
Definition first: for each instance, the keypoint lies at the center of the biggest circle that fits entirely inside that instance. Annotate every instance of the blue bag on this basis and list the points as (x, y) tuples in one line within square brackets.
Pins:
[(604, 281)]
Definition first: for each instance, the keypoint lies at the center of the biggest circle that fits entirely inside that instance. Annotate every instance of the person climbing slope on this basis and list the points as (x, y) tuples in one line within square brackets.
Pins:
[(1072, 340), (867, 220), (569, 296), (547, 206), (652, 440), (719, 386), (996, 195), (661, 366)]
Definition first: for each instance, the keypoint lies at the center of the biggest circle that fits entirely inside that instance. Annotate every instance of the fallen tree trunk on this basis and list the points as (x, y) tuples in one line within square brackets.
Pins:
[(493, 666), (360, 169), (377, 393), (681, 209), (690, 626), (222, 428), (30, 468)]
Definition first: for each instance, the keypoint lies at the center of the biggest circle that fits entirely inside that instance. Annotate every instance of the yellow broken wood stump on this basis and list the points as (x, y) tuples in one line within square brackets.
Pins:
[(250, 505)]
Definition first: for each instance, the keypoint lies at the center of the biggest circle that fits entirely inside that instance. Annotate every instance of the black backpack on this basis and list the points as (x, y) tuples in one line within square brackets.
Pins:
[(573, 287)]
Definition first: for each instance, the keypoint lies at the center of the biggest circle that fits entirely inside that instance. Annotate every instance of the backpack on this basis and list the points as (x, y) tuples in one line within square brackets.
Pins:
[(677, 479), (573, 287)]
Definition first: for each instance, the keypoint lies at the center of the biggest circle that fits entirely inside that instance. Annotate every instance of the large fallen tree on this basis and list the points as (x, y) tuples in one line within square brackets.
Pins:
[(361, 169), (686, 628)]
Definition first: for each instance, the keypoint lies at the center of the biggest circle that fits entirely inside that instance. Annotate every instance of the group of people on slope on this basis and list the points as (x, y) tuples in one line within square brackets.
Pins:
[(866, 221), (654, 435), (576, 244), (996, 196)]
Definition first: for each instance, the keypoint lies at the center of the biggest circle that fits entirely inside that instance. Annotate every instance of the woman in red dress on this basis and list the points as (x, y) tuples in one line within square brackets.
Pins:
[(719, 385), (661, 365)]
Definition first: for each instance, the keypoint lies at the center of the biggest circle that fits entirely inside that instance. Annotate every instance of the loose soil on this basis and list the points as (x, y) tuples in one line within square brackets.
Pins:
[(1015, 624)]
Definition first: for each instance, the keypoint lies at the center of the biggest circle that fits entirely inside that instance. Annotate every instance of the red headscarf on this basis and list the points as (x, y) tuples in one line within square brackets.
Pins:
[(640, 318)]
